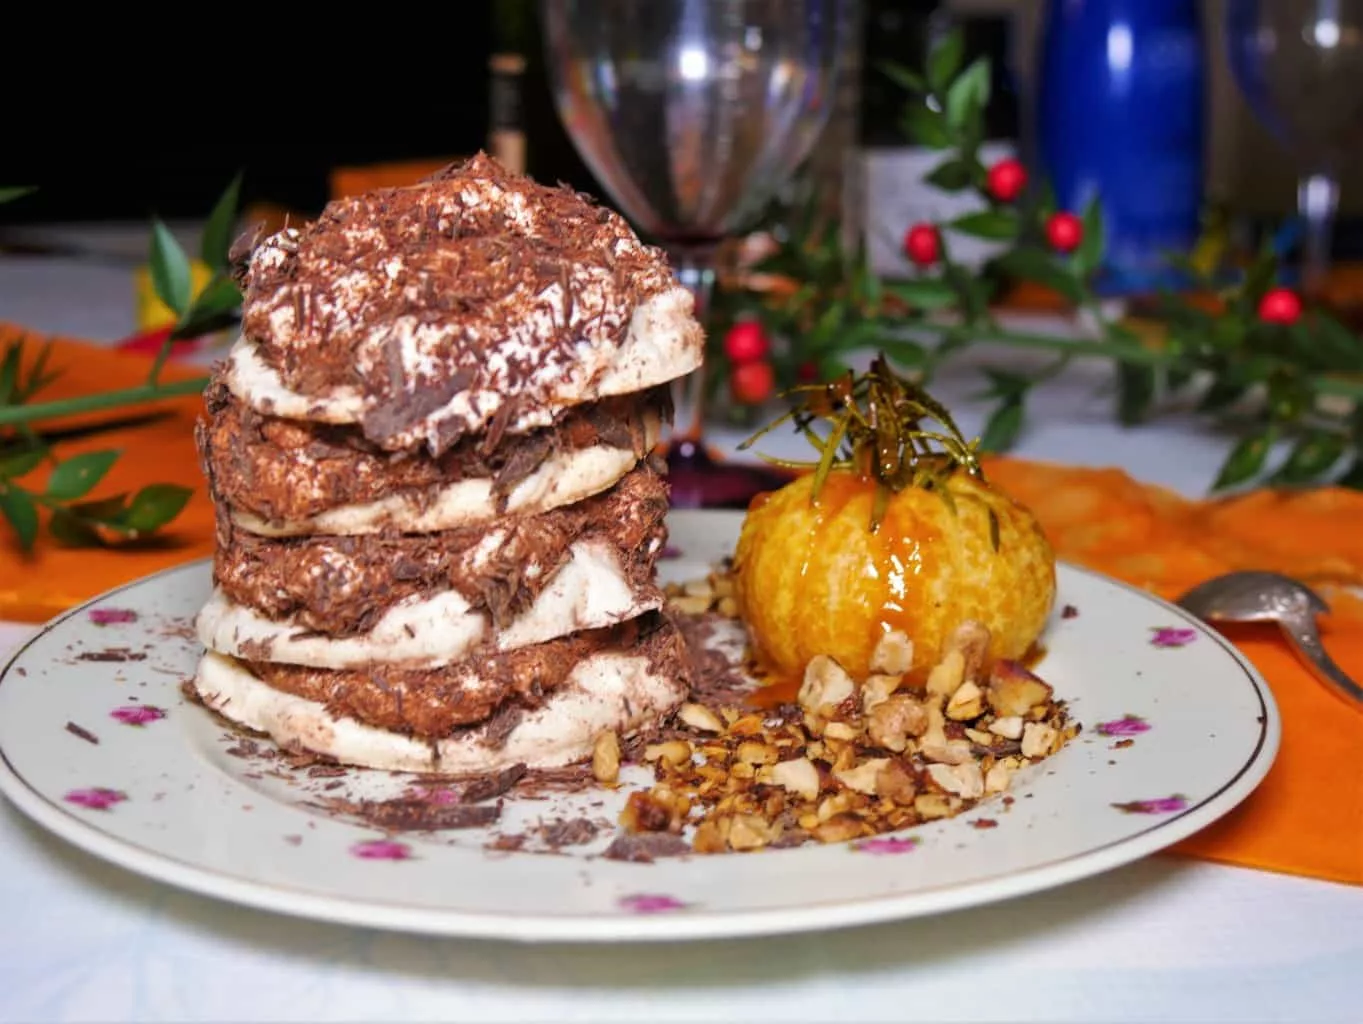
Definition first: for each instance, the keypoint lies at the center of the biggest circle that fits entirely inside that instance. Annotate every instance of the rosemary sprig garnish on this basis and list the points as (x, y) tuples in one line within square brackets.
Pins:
[(876, 428)]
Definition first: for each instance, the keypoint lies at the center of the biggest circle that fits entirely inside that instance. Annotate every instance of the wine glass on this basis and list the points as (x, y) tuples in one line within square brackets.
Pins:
[(1299, 64), (692, 114)]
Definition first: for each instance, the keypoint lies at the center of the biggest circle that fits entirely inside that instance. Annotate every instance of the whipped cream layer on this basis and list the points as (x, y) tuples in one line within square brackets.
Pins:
[(628, 689), (593, 590), (476, 300)]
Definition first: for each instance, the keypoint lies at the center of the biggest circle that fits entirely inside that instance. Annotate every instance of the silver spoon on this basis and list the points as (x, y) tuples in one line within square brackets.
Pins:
[(1272, 597)]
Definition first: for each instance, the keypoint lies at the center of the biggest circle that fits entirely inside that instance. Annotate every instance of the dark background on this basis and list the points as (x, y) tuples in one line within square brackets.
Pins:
[(156, 119)]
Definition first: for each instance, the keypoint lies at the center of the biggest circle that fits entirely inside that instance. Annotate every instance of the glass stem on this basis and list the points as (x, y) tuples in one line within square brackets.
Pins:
[(695, 269), (1317, 201)]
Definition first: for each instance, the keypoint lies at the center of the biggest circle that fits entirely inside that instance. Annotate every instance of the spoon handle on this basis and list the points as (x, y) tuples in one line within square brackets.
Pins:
[(1305, 634)]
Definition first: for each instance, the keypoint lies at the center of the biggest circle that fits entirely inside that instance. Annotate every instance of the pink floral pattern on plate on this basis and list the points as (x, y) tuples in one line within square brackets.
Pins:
[(886, 844), (1172, 636), (1127, 725), (137, 714), (112, 616), (650, 903), (1161, 805), (96, 798), (381, 849)]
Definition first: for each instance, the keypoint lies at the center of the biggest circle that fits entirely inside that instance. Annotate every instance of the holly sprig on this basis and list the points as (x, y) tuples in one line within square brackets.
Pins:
[(73, 516), (1246, 353)]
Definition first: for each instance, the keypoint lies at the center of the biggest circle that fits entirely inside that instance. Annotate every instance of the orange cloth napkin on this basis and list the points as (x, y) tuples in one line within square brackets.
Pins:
[(158, 447), (1307, 816)]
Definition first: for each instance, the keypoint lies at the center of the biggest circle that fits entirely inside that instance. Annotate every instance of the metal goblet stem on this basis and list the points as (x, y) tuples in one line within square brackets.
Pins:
[(1297, 63), (692, 114)]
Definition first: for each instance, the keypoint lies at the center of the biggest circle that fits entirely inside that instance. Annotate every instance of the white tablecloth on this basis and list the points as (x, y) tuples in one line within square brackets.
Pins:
[(1164, 939)]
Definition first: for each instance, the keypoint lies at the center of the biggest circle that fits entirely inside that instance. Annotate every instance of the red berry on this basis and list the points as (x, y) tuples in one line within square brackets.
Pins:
[(1064, 231), (1006, 180), (752, 383), (923, 245), (746, 342), (1280, 306), (807, 373)]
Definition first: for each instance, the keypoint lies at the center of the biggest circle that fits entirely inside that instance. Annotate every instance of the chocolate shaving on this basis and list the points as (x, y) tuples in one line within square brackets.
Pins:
[(493, 785), (646, 847), (83, 733), (112, 654), (416, 815), (568, 832)]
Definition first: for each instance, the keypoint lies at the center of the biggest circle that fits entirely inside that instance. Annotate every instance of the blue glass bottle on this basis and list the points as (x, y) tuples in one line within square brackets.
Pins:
[(1121, 111)]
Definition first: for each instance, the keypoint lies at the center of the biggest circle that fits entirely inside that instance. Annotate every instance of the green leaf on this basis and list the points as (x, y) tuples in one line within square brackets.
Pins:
[(903, 351), (78, 475), (998, 225), (106, 511), (1222, 393), (831, 367), (21, 463), (1353, 476), (1246, 459), (902, 76), (1135, 392), (1033, 264), (219, 301), (945, 60), (218, 232), (38, 377), (952, 175), (9, 193), (925, 126), (9, 372), (969, 94), (1005, 383), (170, 273), (154, 506), (1003, 426), (928, 293), (73, 532), (1314, 454), (18, 507), (1176, 378), (1087, 257)]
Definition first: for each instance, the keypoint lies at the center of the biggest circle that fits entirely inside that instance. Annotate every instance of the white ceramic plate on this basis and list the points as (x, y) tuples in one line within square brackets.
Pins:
[(1178, 729)]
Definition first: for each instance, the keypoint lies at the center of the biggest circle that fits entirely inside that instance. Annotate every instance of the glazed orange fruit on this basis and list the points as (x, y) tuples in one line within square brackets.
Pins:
[(815, 579)]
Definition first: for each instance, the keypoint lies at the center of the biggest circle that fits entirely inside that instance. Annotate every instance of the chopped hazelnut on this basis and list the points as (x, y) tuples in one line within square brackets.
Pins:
[(895, 783), (606, 757), (799, 776), (1010, 727), (1015, 691), (826, 684), (893, 654), (862, 778), (877, 689), (1038, 739), (946, 676), (964, 780), (971, 638), (891, 723), (966, 703), (700, 718), (674, 752)]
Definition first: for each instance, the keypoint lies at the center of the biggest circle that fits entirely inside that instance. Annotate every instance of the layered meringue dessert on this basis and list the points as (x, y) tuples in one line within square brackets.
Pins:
[(430, 454)]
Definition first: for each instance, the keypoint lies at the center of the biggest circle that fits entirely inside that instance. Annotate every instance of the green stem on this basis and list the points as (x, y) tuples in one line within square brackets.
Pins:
[(1135, 355), (14, 414)]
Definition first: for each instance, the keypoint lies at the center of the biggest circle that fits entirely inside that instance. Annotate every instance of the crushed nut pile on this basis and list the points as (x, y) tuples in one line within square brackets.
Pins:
[(714, 593), (849, 759)]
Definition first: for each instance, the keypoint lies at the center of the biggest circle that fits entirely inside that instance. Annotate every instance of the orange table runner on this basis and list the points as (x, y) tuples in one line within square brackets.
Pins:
[(1307, 816)]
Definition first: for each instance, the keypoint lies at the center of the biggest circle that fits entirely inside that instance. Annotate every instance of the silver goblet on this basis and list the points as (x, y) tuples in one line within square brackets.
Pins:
[(692, 114)]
